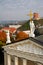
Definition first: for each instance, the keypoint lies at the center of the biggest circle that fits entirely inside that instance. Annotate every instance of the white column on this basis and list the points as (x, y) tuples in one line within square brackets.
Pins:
[(24, 62), (16, 61), (5, 58), (39, 64), (8, 59)]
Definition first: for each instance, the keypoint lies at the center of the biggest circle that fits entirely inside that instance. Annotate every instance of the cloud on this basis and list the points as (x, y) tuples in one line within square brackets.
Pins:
[(17, 9)]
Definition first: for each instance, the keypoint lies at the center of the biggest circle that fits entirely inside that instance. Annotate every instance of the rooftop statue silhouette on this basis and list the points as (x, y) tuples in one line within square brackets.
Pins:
[(32, 26)]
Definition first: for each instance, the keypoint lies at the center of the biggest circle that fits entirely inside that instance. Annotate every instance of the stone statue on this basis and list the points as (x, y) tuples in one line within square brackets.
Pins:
[(8, 37), (32, 26), (32, 29)]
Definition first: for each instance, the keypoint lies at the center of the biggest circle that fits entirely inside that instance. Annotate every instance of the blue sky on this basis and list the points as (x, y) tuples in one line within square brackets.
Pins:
[(18, 9)]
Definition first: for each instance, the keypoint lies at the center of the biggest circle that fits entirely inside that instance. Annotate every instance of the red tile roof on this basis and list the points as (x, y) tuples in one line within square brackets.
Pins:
[(12, 29), (0, 30)]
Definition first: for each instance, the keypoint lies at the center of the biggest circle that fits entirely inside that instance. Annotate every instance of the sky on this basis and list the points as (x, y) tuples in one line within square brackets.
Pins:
[(18, 9)]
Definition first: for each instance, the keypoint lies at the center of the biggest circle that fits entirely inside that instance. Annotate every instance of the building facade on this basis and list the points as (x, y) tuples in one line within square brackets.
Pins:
[(36, 16), (26, 52)]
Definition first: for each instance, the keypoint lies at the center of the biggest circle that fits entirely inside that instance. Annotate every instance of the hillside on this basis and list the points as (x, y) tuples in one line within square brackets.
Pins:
[(26, 25)]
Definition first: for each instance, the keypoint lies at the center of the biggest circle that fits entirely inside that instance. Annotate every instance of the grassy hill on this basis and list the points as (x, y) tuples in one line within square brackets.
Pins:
[(26, 25)]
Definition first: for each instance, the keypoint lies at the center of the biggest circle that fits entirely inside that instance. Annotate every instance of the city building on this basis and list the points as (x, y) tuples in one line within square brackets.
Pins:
[(11, 30), (15, 26), (36, 16), (25, 52)]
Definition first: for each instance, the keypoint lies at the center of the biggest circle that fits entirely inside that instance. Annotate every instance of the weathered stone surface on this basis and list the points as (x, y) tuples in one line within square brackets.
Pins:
[(26, 49)]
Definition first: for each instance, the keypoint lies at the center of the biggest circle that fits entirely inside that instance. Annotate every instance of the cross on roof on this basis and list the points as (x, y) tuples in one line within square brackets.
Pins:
[(30, 14)]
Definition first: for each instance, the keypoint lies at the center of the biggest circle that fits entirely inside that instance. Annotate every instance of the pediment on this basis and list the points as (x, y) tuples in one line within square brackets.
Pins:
[(26, 46)]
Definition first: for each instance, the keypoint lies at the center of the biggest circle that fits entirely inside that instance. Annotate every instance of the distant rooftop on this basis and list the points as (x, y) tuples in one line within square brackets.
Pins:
[(38, 40)]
